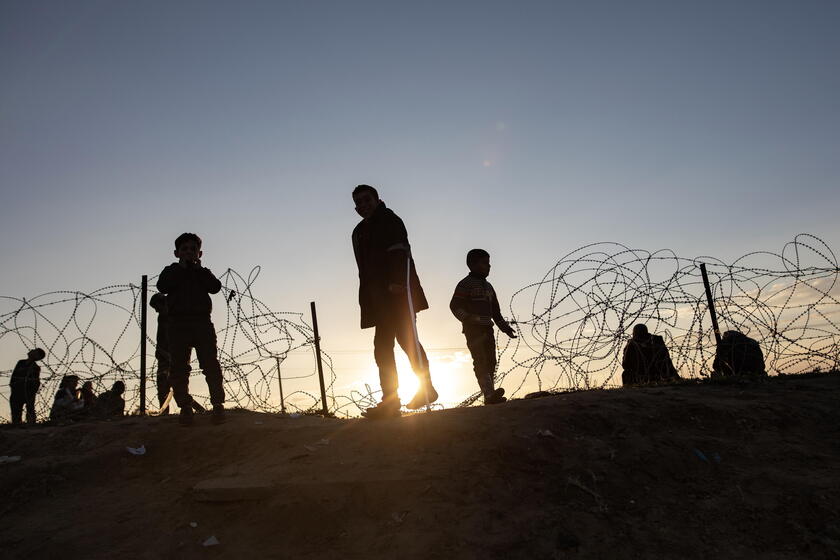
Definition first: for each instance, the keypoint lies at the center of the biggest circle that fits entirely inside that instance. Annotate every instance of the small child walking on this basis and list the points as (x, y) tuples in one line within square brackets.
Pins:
[(474, 303), (188, 286)]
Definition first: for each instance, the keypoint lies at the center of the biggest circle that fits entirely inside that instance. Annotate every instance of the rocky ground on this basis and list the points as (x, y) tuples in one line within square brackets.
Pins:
[(709, 470)]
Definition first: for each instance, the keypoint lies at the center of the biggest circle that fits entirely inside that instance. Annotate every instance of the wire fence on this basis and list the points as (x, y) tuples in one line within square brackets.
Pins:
[(572, 324)]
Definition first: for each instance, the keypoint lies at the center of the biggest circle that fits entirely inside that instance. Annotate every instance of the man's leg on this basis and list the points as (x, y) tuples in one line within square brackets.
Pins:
[(162, 386), (410, 344), (208, 360), (383, 353), (30, 409), (180, 347)]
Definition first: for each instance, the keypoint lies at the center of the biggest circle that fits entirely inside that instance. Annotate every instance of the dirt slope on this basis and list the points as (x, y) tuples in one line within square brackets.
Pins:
[(699, 471)]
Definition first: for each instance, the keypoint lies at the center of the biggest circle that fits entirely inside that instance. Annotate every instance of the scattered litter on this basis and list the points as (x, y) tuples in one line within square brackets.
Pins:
[(211, 541), (399, 516), (257, 422), (137, 450), (324, 441), (701, 456), (545, 433), (295, 415), (165, 480), (9, 459), (309, 448), (193, 524)]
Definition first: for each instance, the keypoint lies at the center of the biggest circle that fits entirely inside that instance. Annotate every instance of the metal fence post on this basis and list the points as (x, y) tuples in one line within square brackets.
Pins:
[(280, 382), (711, 303), (144, 285), (318, 359)]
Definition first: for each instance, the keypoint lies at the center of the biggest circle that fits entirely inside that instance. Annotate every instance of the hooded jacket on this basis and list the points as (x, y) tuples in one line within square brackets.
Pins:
[(380, 244)]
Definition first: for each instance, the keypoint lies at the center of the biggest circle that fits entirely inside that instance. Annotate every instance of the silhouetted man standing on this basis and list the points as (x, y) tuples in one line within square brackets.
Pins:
[(389, 296)]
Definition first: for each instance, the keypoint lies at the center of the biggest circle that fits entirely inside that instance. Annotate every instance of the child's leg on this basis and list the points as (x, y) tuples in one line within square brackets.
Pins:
[(482, 346), (208, 359), (180, 347)]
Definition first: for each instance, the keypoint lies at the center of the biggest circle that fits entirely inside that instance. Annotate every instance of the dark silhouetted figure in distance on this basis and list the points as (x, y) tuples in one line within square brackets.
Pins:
[(111, 403), (387, 279), (646, 359), (475, 304), (66, 405), (24, 384), (188, 286), (738, 354)]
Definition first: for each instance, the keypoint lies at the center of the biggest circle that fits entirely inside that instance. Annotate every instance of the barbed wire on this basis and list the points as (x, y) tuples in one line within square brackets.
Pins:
[(573, 324)]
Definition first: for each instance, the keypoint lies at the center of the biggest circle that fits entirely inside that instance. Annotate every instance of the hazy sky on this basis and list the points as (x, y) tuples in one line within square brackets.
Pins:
[(526, 128)]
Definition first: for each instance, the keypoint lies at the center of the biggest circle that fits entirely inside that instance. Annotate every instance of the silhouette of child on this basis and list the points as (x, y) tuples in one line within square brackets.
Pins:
[(474, 303), (188, 286)]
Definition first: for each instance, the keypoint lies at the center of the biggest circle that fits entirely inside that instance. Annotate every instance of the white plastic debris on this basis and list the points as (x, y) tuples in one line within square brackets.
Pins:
[(257, 422), (193, 524), (9, 459), (324, 441), (545, 433), (309, 448), (211, 541), (137, 450)]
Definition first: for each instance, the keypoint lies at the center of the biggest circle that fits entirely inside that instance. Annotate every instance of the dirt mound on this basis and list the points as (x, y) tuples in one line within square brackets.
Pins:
[(694, 471)]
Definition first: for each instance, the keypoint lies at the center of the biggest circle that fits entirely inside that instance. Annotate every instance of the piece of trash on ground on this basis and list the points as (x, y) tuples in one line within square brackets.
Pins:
[(257, 422), (193, 524), (295, 415), (309, 448), (701, 455), (211, 541), (137, 450), (324, 441), (545, 433), (716, 458), (9, 459)]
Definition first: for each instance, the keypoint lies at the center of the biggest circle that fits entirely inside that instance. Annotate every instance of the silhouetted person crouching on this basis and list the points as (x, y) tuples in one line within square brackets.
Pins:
[(389, 296), (188, 286), (111, 403), (475, 304), (738, 354), (66, 405), (646, 359), (24, 385)]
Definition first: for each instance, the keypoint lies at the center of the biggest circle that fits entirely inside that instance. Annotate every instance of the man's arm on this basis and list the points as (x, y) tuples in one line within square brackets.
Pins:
[(397, 249)]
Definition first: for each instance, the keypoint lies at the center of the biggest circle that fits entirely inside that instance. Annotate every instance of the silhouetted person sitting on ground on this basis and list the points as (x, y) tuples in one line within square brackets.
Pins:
[(646, 359), (87, 396), (738, 354), (474, 303), (389, 297), (111, 402), (65, 405), (24, 384), (188, 286)]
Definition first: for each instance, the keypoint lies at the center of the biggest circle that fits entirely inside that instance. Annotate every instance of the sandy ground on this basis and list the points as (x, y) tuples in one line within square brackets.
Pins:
[(742, 470)]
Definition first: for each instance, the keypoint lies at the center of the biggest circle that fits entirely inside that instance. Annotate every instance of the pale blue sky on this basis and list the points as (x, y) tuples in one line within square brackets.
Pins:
[(526, 128)]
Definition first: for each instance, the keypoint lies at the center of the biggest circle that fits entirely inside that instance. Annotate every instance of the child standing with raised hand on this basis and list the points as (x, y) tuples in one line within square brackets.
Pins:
[(474, 303), (188, 286)]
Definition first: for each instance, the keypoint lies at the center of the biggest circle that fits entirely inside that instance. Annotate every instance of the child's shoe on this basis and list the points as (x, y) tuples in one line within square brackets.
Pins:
[(218, 414), (496, 397), (186, 417)]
